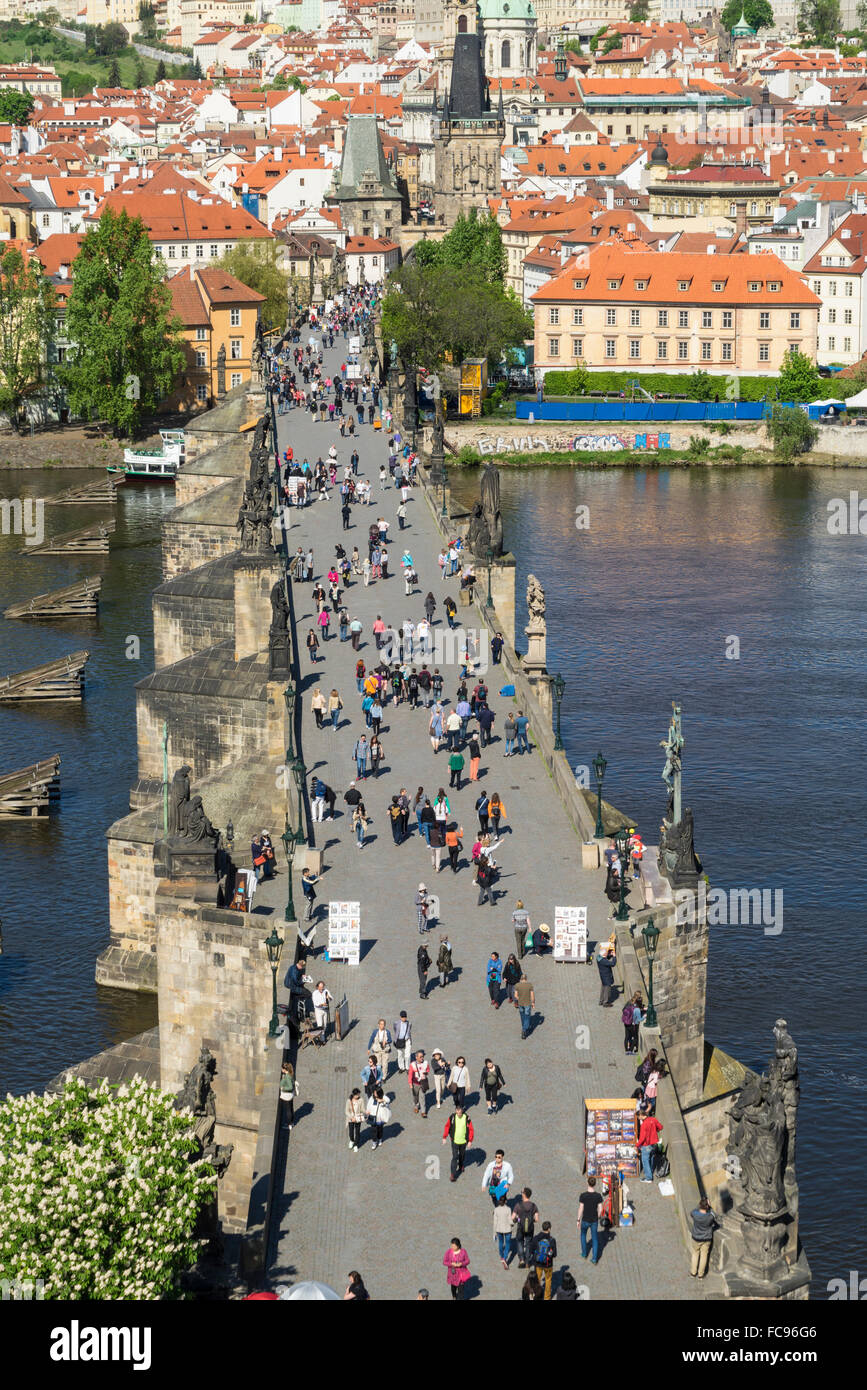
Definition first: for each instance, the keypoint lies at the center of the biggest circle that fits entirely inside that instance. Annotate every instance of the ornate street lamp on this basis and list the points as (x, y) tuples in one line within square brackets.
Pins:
[(621, 840), (299, 772), (444, 511), (599, 766), (490, 599), (273, 945), (290, 695), (290, 844), (651, 937), (558, 687)]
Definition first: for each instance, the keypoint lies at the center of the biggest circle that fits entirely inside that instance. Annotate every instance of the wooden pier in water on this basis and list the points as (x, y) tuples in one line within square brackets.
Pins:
[(75, 600), (31, 791), (92, 540), (104, 490), (62, 679)]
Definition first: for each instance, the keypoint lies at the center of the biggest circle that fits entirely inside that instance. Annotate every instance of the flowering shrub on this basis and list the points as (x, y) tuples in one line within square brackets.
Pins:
[(98, 1196)]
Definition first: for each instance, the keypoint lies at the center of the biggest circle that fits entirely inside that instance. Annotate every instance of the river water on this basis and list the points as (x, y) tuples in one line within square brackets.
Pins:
[(642, 606)]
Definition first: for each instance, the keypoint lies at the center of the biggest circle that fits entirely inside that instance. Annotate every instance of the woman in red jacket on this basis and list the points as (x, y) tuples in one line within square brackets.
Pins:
[(457, 1263)]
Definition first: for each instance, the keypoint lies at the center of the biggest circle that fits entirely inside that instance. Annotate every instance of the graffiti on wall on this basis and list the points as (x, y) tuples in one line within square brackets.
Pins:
[(579, 443)]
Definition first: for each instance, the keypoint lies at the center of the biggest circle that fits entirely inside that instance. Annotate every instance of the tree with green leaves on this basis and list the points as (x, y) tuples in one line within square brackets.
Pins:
[(820, 19), (111, 38), (610, 43), (114, 74), (799, 378), (138, 76), (27, 309), (255, 262), (757, 13), (433, 311), (791, 431), (197, 70), (702, 386), (474, 242), (15, 107), (160, 74), (127, 343), (639, 11), (596, 38), (75, 83)]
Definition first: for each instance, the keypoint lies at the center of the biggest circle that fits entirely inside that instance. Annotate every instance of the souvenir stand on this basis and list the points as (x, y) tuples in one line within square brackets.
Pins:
[(610, 1131), (570, 933), (344, 932)]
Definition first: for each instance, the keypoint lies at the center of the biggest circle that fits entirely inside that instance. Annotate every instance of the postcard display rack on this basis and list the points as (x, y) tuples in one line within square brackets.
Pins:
[(570, 933), (344, 932), (609, 1137)]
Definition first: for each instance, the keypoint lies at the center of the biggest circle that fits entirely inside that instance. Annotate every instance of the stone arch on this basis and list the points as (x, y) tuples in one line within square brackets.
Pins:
[(462, 24), (506, 54)]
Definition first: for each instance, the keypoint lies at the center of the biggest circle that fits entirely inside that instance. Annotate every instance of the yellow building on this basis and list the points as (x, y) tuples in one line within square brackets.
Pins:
[(123, 12), (740, 196), (621, 309), (216, 311)]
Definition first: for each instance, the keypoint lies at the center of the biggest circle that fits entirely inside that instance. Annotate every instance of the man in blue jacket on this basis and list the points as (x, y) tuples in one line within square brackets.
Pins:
[(494, 977), (605, 962)]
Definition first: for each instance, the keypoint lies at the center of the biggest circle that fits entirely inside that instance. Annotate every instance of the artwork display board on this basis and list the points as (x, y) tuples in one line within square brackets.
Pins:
[(570, 933), (610, 1131), (344, 932)]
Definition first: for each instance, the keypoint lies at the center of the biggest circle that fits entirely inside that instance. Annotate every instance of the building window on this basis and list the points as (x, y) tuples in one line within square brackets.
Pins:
[(832, 288), (201, 359), (754, 207), (662, 349), (578, 316), (635, 318), (832, 343), (171, 253), (634, 348), (705, 351), (610, 347), (733, 209), (727, 318), (727, 353), (610, 317), (201, 393), (553, 347), (662, 318), (794, 320), (848, 290), (577, 347), (817, 287), (683, 318), (718, 286), (235, 349), (235, 318), (832, 315), (682, 349), (706, 319), (614, 284), (764, 352), (235, 379), (214, 250), (201, 335), (754, 286), (683, 285), (185, 251), (847, 344), (554, 315), (375, 260), (200, 251), (764, 319)]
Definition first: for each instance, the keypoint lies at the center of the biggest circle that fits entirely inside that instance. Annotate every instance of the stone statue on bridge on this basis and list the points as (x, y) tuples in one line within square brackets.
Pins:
[(678, 861), (279, 641), (179, 796)]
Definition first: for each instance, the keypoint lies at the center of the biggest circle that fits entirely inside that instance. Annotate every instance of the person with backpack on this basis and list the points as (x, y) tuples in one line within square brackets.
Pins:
[(525, 1214), (485, 880), (494, 978), (456, 767), (482, 808), (459, 1132), (444, 961), (704, 1223), (631, 1018), (511, 977), (498, 1178), (288, 1091), (402, 1034), (423, 965), (492, 1082), (395, 817), (544, 1255), (451, 611)]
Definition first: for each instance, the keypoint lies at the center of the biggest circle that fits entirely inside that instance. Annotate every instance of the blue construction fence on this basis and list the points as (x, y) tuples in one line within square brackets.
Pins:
[(637, 411)]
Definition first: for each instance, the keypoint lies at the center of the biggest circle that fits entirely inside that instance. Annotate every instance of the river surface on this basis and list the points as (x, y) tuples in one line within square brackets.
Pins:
[(642, 606)]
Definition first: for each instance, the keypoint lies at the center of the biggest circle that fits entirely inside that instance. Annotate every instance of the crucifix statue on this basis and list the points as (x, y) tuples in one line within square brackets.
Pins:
[(673, 746)]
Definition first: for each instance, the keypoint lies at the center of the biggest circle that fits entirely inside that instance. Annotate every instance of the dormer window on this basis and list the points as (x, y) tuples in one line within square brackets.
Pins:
[(683, 285), (755, 286), (775, 285), (579, 284), (719, 286), (641, 284), (614, 284)]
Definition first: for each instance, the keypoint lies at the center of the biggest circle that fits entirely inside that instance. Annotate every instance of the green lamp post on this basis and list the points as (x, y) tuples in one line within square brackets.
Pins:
[(290, 694), (490, 562), (651, 937), (599, 766), (444, 512), (290, 845), (299, 772), (558, 686), (273, 945), (621, 840)]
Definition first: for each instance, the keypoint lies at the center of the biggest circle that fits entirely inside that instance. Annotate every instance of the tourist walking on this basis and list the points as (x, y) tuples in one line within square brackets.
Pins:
[(376, 752), (379, 1114), (588, 1220), (354, 1110), (522, 928), (482, 810), (474, 749), (459, 1080), (439, 1071), (503, 1231), (704, 1223), (435, 727), (457, 1263), (510, 730), (421, 908), (423, 965), (360, 753), (335, 705), (648, 1138), (456, 767), (631, 1020), (312, 644), (459, 1132), (444, 961), (522, 724), (308, 878), (526, 997), (494, 977), (402, 1034), (492, 1082), (511, 977), (419, 1080), (379, 1046), (498, 1178), (544, 1255), (318, 705), (454, 835), (525, 1214), (355, 1289), (605, 963), (531, 1291), (485, 880), (288, 1092), (496, 811)]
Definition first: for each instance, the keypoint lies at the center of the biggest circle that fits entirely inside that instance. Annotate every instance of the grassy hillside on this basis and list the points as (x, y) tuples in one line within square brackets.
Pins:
[(80, 71)]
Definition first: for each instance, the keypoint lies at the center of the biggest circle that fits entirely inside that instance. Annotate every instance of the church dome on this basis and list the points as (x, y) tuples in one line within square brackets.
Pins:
[(506, 9), (659, 154)]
